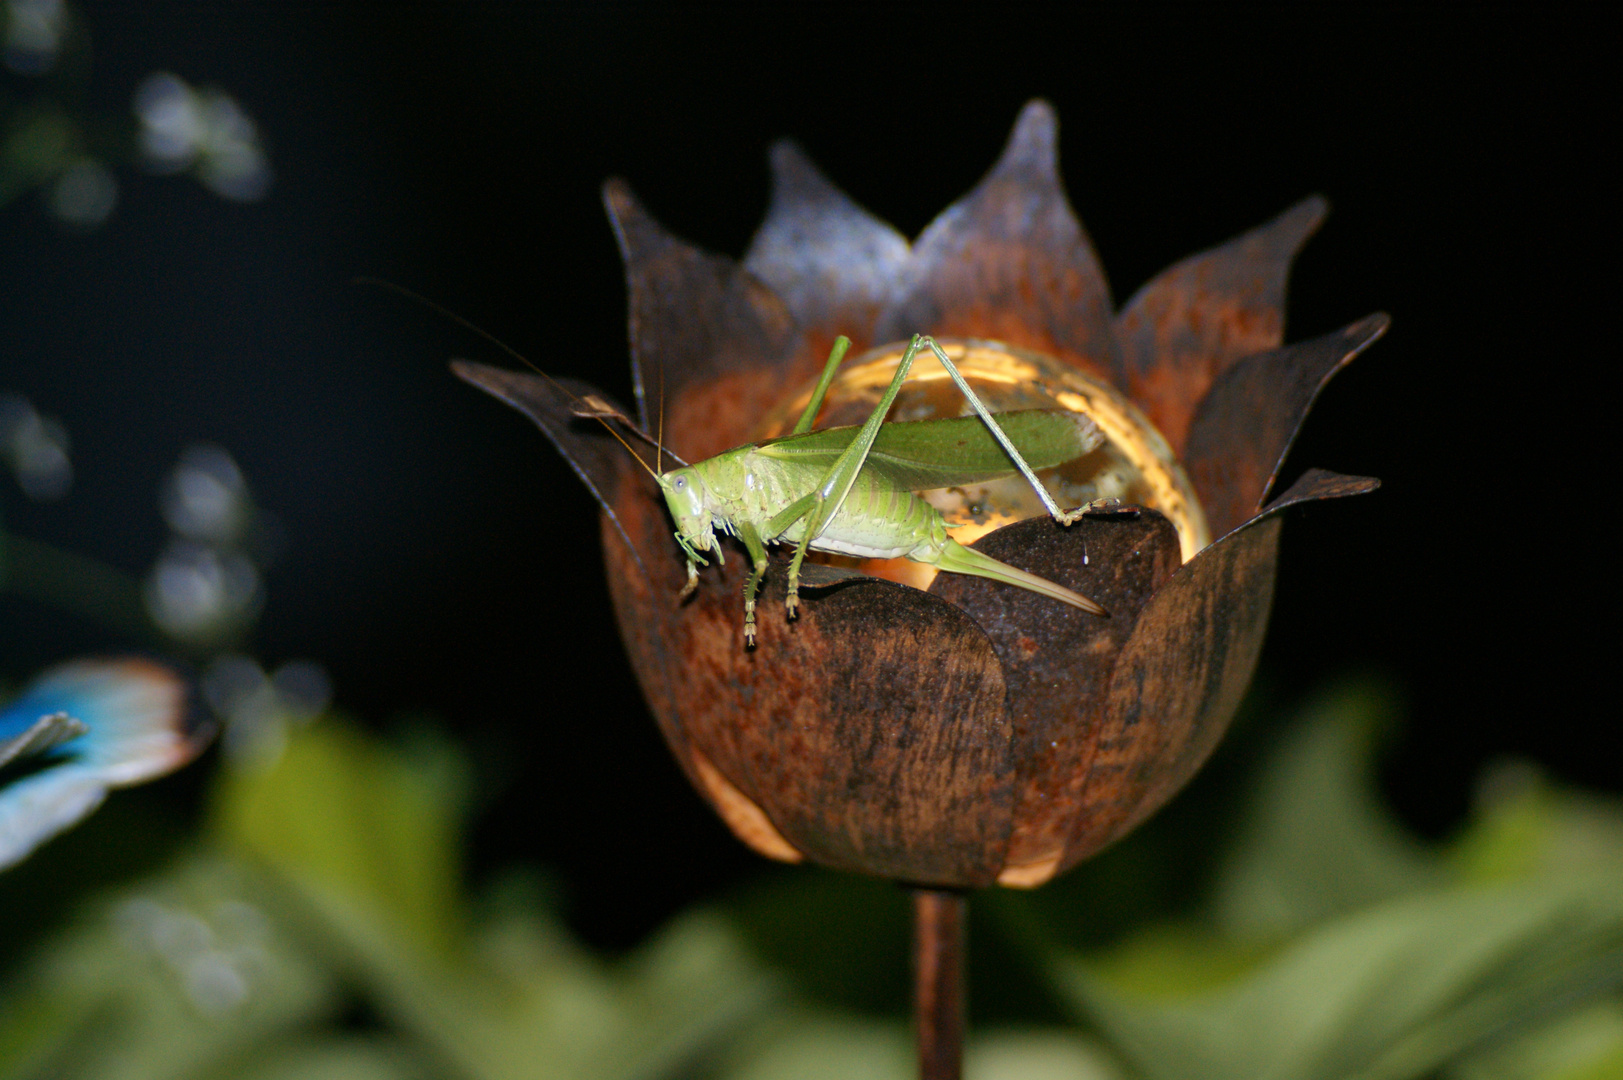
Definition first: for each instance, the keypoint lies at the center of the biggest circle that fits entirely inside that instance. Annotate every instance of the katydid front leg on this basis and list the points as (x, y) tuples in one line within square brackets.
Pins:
[(752, 584)]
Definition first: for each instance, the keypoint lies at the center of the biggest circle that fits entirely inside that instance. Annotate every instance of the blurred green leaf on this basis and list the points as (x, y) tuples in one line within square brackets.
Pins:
[(1587, 1045), (366, 838), (1316, 841), (357, 826), (353, 1058), (183, 977), (1338, 948), (1394, 991), (810, 1046), (805, 1045), (1334, 947), (1524, 826), (1037, 1055)]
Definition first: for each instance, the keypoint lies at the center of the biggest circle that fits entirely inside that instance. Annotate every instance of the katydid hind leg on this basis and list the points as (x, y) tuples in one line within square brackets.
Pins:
[(957, 559), (836, 483), (1061, 516)]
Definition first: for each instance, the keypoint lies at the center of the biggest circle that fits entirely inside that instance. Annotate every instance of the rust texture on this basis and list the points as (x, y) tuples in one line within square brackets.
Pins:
[(834, 264), (1246, 423), (975, 732), (1009, 262), (938, 983), (1200, 316)]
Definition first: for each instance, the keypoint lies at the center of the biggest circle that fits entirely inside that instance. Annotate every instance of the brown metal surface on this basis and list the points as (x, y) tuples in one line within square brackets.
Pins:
[(1180, 676), (835, 265), (1177, 682), (938, 983), (708, 340), (871, 731), (1009, 262), (1246, 424), (1057, 661), (976, 731), (1199, 316)]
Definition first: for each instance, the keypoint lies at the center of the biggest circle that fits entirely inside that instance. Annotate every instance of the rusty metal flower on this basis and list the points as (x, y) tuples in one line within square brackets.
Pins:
[(970, 732)]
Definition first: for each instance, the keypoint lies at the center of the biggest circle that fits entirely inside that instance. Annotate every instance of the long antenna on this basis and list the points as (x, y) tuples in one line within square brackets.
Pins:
[(454, 317), (588, 409), (659, 429)]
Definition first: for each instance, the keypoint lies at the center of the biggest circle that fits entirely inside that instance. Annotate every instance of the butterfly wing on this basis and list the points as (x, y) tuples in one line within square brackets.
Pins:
[(79, 730)]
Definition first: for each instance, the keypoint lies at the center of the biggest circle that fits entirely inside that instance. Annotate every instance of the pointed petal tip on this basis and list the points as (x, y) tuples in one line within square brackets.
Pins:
[(786, 156), (1037, 117), (492, 380), (1033, 144), (1369, 329), (1315, 485), (796, 178), (1310, 213), (631, 222), (1299, 222), (617, 196)]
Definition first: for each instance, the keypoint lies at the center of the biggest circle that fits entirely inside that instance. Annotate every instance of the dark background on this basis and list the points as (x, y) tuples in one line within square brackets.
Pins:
[(441, 560)]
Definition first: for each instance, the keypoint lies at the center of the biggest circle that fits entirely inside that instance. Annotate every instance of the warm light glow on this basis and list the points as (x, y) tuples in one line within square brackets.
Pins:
[(1134, 464)]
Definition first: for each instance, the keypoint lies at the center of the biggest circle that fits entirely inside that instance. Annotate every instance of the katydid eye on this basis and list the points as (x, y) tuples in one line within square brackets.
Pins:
[(681, 482)]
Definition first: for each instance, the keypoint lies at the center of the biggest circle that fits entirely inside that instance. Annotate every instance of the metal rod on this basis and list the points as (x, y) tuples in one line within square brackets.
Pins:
[(938, 982)]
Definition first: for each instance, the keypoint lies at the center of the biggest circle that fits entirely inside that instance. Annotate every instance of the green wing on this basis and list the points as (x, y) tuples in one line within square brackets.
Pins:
[(922, 454)]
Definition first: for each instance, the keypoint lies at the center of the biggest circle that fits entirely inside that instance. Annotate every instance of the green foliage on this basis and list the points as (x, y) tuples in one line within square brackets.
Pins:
[(1336, 947), (320, 931)]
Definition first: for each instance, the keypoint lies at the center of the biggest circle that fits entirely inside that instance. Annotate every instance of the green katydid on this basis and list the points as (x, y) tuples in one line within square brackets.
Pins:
[(844, 490), (849, 490)]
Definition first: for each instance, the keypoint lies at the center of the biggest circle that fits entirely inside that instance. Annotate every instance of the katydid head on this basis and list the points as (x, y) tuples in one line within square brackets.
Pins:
[(686, 495)]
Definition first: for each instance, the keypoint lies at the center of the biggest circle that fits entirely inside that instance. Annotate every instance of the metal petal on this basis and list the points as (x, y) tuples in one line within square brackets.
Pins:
[(592, 453), (1199, 316), (1246, 424), (1057, 661), (833, 263), (870, 732), (1316, 484), (1182, 672), (709, 341), (1177, 682), (1009, 262)]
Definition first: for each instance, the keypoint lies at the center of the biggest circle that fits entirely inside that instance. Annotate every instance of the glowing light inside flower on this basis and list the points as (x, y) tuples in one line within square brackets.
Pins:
[(1134, 464)]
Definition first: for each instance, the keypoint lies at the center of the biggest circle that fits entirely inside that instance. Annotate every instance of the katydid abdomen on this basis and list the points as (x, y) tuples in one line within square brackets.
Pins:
[(877, 520)]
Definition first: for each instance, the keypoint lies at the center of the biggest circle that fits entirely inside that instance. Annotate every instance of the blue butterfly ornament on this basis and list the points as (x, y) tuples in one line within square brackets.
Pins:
[(81, 729)]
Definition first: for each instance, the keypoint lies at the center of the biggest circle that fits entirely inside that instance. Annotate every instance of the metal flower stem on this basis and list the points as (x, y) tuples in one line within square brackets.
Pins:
[(938, 982)]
